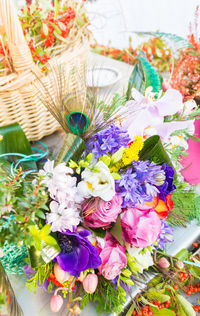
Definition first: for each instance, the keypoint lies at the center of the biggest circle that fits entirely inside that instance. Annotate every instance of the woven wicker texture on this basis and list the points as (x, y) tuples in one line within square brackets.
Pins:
[(18, 94)]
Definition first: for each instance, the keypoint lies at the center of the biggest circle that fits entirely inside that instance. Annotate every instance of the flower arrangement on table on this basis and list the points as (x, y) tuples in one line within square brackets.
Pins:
[(96, 218), (49, 29), (155, 48)]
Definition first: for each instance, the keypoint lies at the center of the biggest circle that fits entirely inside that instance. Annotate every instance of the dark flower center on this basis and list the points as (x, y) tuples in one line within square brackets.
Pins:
[(67, 243)]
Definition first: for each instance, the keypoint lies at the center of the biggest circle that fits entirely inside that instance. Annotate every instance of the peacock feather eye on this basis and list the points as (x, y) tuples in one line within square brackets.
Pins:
[(77, 122)]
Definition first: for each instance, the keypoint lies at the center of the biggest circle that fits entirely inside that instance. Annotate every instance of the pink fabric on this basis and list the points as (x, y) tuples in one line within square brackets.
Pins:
[(191, 163)]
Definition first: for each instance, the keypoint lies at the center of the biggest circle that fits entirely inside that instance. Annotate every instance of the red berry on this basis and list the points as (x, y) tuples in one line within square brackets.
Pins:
[(195, 244), (175, 287)]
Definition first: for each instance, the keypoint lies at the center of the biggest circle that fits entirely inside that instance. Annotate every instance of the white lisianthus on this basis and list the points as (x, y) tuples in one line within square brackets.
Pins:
[(143, 260), (62, 218), (97, 183)]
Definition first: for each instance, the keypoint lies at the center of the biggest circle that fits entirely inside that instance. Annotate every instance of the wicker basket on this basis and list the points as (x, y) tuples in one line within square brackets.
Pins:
[(18, 98)]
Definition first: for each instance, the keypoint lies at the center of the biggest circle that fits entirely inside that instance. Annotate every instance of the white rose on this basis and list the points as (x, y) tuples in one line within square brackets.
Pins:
[(143, 260), (97, 183)]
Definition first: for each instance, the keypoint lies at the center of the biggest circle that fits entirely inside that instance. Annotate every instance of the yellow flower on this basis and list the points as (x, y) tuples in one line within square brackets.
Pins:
[(132, 153)]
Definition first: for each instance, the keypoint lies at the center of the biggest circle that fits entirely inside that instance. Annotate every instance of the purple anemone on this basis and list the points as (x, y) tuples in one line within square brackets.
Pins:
[(77, 253)]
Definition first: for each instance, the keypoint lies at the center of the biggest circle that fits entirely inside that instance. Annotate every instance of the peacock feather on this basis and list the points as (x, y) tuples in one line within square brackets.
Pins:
[(75, 107), (143, 76)]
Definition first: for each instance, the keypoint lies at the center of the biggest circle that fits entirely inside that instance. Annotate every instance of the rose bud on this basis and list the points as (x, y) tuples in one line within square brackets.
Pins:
[(56, 303), (90, 283), (179, 264), (166, 85), (163, 263), (60, 274), (76, 310)]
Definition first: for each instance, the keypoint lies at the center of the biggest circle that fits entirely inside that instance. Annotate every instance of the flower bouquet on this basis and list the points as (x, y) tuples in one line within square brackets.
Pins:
[(99, 215)]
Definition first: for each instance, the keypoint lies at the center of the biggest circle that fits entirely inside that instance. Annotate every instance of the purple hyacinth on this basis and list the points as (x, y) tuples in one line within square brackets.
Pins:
[(166, 235), (77, 253), (138, 184), (108, 141), (168, 185), (127, 288)]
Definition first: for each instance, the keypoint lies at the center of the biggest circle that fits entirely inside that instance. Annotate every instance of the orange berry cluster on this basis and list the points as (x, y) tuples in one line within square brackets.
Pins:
[(192, 289), (146, 310), (183, 276), (196, 308)]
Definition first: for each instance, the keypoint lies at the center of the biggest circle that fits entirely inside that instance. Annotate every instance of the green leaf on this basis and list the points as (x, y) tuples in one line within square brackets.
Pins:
[(48, 252), (163, 312), (45, 231), (116, 230), (153, 150), (40, 214), (127, 280), (143, 76), (195, 271), (80, 21), (186, 306), (116, 157), (131, 309), (146, 302), (20, 218), (183, 254), (56, 28), (126, 272), (34, 231), (45, 29), (35, 257), (15, 141), (51, 241), (106, 159), (154, 294)]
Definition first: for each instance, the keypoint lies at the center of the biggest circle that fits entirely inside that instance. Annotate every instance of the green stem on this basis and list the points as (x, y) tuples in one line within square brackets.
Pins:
[(6, 290), (72, 148)]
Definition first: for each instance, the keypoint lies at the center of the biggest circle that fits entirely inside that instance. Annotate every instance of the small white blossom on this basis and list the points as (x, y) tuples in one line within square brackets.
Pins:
[(62, 218), (97, 183)]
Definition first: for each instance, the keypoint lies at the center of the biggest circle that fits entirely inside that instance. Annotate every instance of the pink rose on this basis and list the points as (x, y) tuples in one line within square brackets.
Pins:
[(99, 213), (140, 228), (113, 258)]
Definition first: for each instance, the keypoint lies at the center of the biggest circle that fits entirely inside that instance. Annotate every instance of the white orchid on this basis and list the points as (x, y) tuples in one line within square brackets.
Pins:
[(148, 114), (97, 183)]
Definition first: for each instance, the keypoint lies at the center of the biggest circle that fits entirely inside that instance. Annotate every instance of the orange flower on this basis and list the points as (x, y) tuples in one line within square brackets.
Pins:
[(54, 280), (161, 207)]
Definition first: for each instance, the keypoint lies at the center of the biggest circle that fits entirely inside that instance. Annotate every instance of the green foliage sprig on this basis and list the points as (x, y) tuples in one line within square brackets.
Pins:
[(23, 203)]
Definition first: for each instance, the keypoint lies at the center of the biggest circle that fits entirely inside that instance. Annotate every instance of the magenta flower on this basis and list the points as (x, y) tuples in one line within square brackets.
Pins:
[(113, 258), (99, 213), (140, 228)]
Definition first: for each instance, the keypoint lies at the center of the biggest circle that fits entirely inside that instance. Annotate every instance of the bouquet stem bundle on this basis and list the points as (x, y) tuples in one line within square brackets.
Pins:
[(6, 290)]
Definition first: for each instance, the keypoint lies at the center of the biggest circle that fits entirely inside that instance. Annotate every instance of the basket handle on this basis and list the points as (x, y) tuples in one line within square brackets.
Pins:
[(19, 50)]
